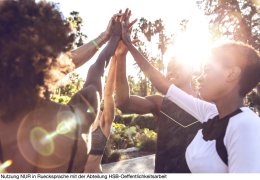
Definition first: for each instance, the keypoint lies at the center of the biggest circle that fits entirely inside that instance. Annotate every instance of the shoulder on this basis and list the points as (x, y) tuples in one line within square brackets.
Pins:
[(244, 126), (156, 100), (246, 119), (242, 142)]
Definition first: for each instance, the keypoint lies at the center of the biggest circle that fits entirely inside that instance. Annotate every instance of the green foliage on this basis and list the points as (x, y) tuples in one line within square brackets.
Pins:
[(123, 136), (76, 22), (145, 121), (142, 121), (149, 33), (125, 119), (147, 140), (64, 92)]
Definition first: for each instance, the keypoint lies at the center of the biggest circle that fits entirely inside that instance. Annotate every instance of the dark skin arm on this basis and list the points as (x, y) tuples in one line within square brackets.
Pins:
[(156, 77), (96, 70), (129, 103), (87, 100), (85, 52)]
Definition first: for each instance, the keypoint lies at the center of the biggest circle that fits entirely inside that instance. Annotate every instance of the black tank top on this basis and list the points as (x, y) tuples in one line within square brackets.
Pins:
[(176, 129)]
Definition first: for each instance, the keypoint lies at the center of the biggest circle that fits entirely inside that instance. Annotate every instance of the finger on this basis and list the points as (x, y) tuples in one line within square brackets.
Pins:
[(125, 14), (122, 16), (128, 16), (115, 16), (132, 23)]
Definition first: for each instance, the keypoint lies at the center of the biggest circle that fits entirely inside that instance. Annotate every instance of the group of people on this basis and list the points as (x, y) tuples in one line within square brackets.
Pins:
[(209, 131)]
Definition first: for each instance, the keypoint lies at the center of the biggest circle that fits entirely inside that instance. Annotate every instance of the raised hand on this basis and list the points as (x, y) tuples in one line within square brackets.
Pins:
[(113, 26), (127, 27)]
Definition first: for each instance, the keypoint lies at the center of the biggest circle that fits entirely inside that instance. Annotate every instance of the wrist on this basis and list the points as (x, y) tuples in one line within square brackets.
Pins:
[(104, 36), (121, 54), (128, 43)]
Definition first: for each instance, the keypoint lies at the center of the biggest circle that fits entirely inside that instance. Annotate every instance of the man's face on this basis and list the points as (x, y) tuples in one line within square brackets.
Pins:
[(178, 74)]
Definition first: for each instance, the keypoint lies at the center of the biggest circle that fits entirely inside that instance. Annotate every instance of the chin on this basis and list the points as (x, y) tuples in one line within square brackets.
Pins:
[(207, 98), (203, 95)]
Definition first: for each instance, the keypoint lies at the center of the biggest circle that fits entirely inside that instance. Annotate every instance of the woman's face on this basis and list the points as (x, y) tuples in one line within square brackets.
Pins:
[(213, 81)]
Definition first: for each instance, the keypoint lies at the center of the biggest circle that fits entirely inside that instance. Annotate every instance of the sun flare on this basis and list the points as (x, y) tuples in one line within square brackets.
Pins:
[(192, 45)]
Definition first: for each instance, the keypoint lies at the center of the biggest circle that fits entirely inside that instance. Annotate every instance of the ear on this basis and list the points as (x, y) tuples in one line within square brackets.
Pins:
[(234, 74)]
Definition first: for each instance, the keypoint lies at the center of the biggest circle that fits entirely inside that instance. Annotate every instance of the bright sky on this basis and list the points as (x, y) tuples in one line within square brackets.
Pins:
[(97, 13)]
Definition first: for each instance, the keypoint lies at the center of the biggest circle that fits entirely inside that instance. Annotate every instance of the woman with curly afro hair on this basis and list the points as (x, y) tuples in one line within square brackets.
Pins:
[(36, 134)]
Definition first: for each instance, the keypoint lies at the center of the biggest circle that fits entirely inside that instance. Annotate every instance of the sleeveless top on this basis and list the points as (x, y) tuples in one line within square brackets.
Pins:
[(176, 129), (98, 142)]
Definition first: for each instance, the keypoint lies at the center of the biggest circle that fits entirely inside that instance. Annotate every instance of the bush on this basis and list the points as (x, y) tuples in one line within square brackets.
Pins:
[(148, 145), (106, 154), (125, 119), (146, 121), (114, 157)]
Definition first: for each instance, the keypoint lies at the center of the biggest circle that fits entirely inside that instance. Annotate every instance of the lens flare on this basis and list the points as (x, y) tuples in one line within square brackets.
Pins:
[(65, 126), (5, 165), (41, 142), (45, 140)]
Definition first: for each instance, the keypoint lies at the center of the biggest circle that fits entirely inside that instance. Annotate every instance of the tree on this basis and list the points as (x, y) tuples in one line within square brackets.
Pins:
[(65, 91), (76, 22), (235, 19), (148, 32)]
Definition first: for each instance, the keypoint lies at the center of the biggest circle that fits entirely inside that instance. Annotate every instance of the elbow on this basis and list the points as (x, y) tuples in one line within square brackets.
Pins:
[(163, 88), (122, 106)]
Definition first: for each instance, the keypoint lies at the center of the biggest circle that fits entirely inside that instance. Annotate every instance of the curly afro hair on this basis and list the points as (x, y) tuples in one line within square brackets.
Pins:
[(34, 41)]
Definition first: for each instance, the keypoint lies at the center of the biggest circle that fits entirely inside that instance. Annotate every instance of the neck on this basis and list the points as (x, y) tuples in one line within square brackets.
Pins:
[(228, 104)]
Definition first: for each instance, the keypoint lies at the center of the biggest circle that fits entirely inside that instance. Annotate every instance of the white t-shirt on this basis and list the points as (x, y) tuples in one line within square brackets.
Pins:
[(242, 138)]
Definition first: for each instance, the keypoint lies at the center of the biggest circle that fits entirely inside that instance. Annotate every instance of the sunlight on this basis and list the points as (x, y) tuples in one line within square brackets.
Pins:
[(192, 45)]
